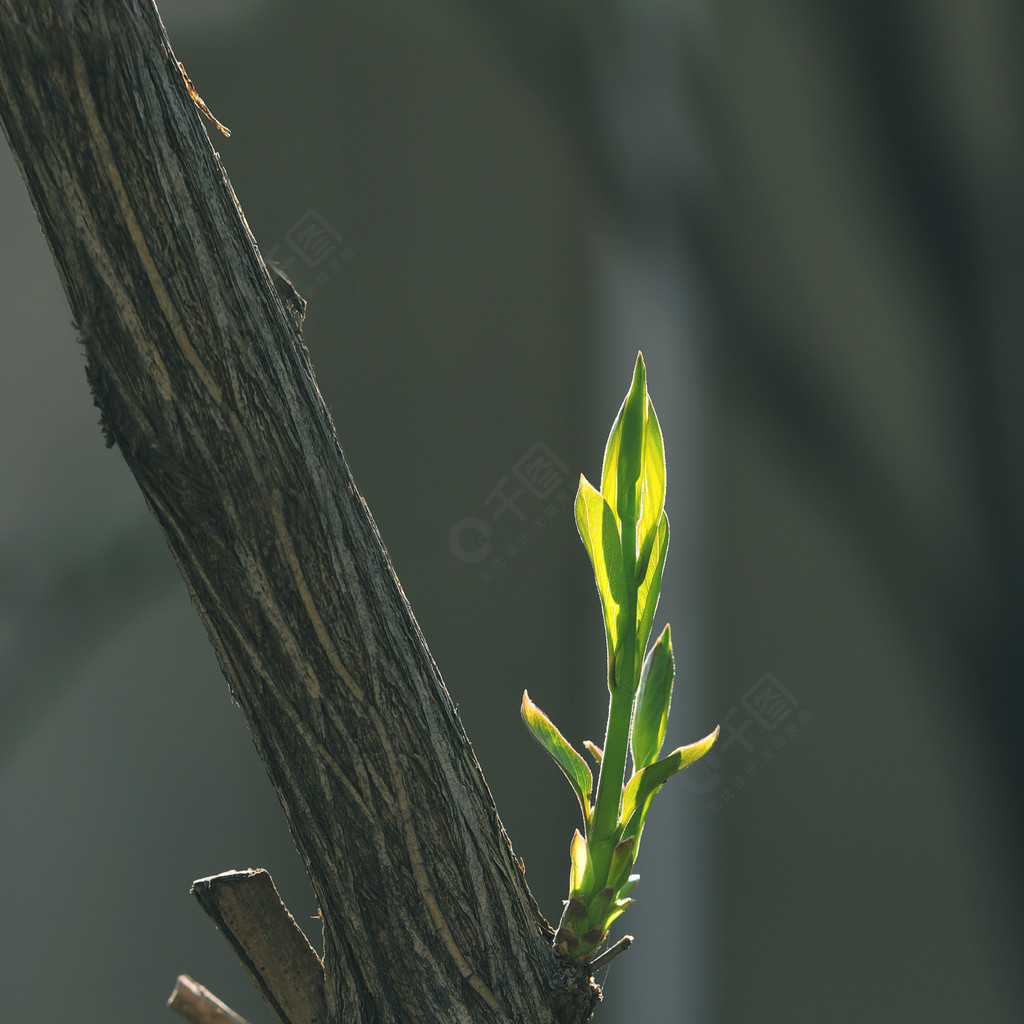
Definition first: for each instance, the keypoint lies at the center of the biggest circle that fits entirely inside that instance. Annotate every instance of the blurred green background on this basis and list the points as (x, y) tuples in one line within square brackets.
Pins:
[(809, 217)]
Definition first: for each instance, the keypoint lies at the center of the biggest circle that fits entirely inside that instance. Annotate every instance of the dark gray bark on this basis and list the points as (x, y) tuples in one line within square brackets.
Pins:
[(205, 387)]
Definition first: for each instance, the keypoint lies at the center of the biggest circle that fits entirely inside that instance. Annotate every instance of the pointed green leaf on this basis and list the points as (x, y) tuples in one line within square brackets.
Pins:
[(651, 489), (622, 861), (640, 790), (653, 699), (581, 873), (571, 763), (630, 464), (599, 531), (653, 493), (650, 589), (622, 468)]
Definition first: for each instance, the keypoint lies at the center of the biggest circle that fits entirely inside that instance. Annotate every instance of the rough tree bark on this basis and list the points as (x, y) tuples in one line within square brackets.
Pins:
[(205, 387)]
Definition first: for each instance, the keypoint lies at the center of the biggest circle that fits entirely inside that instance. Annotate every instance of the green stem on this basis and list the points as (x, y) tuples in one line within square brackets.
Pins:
[(620, 714), (609, 782)]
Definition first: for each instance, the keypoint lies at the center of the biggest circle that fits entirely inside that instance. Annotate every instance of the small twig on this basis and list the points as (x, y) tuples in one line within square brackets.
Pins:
[(199, 1005), (611, 953), (247, 909)]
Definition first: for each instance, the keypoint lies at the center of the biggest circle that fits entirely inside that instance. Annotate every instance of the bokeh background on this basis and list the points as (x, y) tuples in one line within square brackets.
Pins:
[(809, 217)]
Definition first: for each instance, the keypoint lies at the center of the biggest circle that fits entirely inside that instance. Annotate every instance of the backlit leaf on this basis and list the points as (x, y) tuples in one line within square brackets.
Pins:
[(623, 857), (653, 699), (650, 589), (640, 790), (599, 531), (630, 464), (581, 873), (571, 763), (653, 492), (622, 467)]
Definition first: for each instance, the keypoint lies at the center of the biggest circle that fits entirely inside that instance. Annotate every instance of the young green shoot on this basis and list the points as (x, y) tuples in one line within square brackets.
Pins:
[(625, 531)]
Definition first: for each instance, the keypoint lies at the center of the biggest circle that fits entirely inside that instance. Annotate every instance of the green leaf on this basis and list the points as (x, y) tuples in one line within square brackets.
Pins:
[(622, 860), (650, 589), (571, 763), (581, 873), (620, 906), (653, 699), (639, 791), (622, 468), (653, 491), (599, 531), (630, 465), (599, 905)]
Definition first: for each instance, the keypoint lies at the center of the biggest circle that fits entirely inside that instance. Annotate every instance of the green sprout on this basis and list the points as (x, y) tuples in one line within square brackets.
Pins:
[(625, 531)]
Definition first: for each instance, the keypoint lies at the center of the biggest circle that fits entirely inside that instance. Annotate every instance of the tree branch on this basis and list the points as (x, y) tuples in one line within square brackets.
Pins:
[(245, 906), (204, 385), (199, 1005)]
